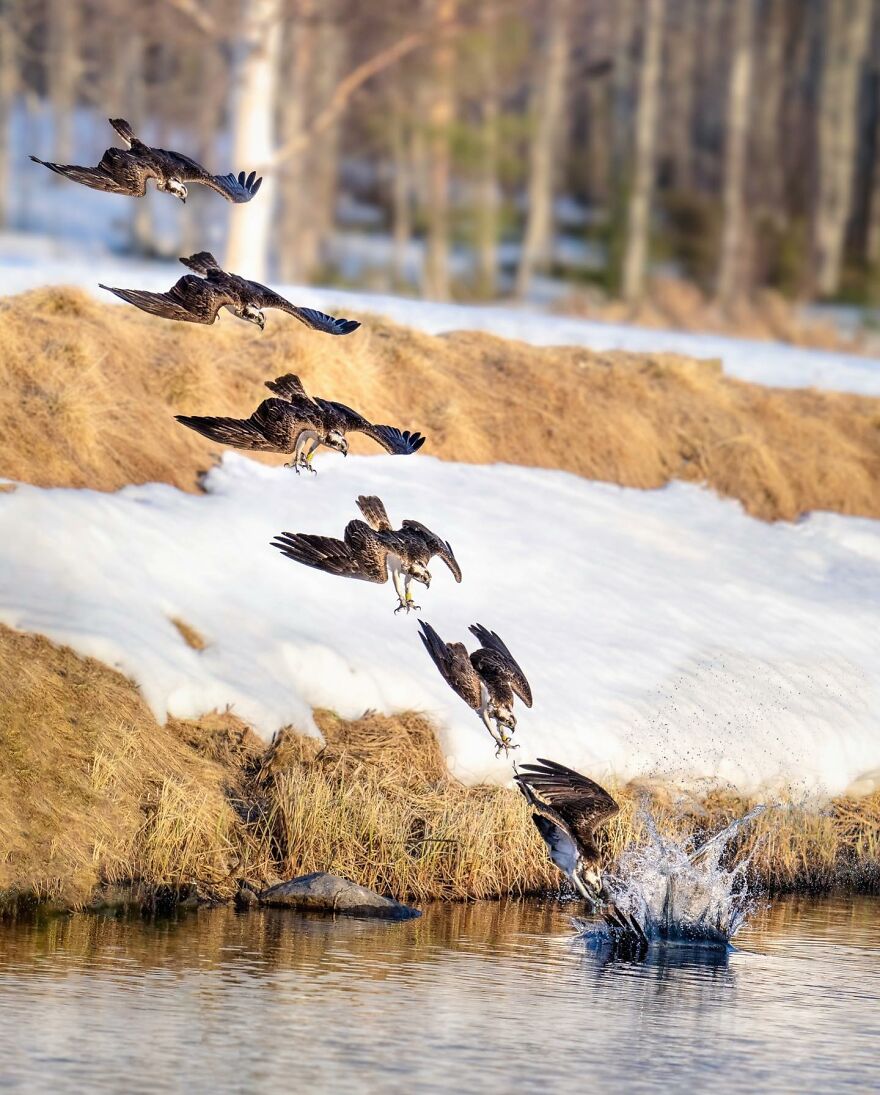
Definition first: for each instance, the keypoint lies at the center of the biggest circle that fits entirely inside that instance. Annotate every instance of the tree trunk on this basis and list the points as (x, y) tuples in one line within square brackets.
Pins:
[(63, 75), (635, 258), (598, 169), (622, 88), (736, 135), (247, 251), (296, 183), (131, 51), (872, 240), (487, 183), (548, 127), (324, 161), (681, 84), (440, 117), (846, 34), (768, 120), (8, 89), (401, 185)]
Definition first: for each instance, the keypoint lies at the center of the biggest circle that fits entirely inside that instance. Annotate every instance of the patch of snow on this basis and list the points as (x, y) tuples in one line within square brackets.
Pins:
[(665, 633)]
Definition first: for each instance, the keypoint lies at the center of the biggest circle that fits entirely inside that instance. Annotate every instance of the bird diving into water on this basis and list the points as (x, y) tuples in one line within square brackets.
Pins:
[(371, 550), (568, 809), (295, 423), (128, 170), (199, 299), (486, 680)]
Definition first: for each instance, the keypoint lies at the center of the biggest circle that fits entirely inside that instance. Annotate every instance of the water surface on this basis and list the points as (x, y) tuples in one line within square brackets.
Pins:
[(484, 997)]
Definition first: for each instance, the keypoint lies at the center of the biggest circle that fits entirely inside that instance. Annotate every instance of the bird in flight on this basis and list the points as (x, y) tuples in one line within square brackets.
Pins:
[(127, 171), (486, 680), (199, 299), (371, 550), (295, 423), (568, 809)]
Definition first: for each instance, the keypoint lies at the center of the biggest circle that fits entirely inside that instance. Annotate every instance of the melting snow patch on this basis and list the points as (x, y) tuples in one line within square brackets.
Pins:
[(665, 633)]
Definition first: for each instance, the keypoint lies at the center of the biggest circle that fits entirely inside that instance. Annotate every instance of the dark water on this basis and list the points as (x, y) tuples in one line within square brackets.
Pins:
[(488, 998)]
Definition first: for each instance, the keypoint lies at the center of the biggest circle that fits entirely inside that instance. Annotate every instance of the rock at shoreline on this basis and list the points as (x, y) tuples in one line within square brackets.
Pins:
[(322, 892)]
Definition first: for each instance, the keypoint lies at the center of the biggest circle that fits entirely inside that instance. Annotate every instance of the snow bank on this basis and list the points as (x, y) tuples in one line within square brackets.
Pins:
[(664, 633), (27, 263)]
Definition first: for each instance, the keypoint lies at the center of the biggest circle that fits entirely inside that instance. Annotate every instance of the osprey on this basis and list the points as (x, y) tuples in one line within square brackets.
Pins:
[(294, 420), (486, 680), (567, 809), (127, 171), (372, 550), (199, 299)]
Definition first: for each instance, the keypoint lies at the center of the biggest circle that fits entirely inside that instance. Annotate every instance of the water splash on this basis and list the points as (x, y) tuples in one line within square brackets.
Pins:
[(678, 890)]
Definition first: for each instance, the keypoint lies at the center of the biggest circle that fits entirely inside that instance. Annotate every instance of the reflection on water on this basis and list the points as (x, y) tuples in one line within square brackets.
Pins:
[(481, 997)]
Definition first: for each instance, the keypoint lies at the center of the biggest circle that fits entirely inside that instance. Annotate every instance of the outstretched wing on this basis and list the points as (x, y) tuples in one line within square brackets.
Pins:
[(374, 511), (235, 188), (568, 798), (191, 299), (441, 548), (359, 555), (263, 297), (273, 427), (454, 665), (517, 678), (398, 442), (98, 178)]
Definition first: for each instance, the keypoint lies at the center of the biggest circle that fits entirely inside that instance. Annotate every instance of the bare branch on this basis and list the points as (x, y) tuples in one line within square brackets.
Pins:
[(194, 11), (352, 83)]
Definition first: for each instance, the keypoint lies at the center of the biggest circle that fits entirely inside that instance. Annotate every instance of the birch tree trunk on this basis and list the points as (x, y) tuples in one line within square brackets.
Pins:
[(247, 250), (8, 88), (635, 258), (845, 38), (440, 116), (487, 184), (548, 127), (736, 135)]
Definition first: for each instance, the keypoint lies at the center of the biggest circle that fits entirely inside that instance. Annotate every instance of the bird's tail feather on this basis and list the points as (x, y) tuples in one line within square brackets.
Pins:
[(203, 262), (288, 386), (123, 129)]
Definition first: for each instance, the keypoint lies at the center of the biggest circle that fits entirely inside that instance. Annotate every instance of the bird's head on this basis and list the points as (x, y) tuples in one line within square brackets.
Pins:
[(335, 440), (253, 315), (420, 573), (588, 881), (178, 189)]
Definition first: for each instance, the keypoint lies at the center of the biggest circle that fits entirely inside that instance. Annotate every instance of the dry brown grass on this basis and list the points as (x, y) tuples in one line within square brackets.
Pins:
[(681, 305), (89, 391), (93, 791)]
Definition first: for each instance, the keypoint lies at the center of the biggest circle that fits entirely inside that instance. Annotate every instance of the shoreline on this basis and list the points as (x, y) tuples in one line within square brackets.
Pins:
[(190, 811)]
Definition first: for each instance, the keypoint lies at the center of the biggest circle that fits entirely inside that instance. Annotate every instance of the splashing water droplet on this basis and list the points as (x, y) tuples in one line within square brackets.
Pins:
[(680, 891)]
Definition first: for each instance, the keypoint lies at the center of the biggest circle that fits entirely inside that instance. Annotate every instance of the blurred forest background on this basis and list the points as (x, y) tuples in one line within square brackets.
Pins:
[(472, 149)]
